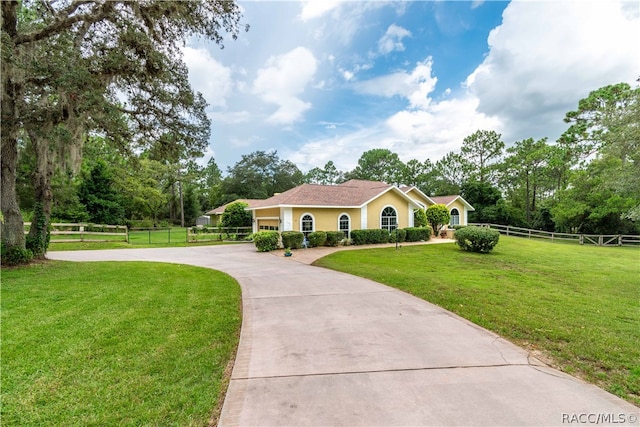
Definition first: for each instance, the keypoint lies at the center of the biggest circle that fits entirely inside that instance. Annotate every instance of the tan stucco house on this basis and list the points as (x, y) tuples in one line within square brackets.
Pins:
[(352, 205)]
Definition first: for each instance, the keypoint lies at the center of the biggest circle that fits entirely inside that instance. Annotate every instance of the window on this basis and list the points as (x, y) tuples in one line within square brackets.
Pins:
[(455, 217), (388, 219), (343, 224), (306, 224)]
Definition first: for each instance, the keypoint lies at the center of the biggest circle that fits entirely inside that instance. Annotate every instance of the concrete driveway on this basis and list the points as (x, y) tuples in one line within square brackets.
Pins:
[(324, 348)]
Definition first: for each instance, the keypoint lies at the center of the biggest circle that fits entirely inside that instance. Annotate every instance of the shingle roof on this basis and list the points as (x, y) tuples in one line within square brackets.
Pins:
[(220, 209), (353, 193), (444, 200)]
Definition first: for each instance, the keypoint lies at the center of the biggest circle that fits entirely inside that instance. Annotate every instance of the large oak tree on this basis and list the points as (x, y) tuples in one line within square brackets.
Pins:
[(114, 67)]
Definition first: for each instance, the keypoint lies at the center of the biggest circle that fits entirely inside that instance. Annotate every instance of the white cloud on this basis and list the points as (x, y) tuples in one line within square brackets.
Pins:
[(235, 117), (281, 81), (547, 55), (392, 39), (429, 133), (316, 8), (415, 86), (208, 76)]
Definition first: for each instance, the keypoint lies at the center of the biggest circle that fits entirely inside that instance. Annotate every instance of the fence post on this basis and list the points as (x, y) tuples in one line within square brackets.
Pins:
[(581, 239), (169, 234), (600, 240), (82, 233), (507, 230), (149, 236), (619, 239)]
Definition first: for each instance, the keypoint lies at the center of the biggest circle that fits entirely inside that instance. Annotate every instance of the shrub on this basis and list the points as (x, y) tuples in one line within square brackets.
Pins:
[(292, 239), (368, 237), (334, 237), (401, 233), (235, 215), (420, 218), (437, 216), (317, 238), (15, 256), (477, 239), (418, 234), (266, 241)]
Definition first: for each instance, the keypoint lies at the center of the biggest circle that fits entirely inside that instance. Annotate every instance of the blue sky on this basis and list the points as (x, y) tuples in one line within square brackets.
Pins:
[(325, 80)]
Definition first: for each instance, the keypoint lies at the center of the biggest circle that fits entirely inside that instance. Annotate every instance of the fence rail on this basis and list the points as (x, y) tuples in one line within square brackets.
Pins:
[(589, 239), (86, 232)]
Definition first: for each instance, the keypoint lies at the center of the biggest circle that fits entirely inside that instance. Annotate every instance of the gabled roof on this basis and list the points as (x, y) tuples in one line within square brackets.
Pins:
[(220, 209), (406, 189), (447, 200), (354, 194)]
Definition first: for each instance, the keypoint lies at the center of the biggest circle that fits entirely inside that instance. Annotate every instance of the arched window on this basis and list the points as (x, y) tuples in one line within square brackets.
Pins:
[(306, 224), (388, 219), (455, 217), (344, 224)]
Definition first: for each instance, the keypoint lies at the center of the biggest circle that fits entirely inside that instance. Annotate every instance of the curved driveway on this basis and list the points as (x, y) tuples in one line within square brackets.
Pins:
[(324, 348)]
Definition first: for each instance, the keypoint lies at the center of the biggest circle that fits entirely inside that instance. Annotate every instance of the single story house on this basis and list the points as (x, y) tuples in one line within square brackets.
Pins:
[(216, 214), (352, 205)]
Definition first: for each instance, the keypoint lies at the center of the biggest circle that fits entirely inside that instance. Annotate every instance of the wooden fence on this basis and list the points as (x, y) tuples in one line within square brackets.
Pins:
[(589, 239), (86, 232)]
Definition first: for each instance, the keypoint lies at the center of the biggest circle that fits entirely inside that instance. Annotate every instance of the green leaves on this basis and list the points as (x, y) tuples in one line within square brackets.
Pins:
[(477, 239), (235, 215), (259, 175), (437, 216)]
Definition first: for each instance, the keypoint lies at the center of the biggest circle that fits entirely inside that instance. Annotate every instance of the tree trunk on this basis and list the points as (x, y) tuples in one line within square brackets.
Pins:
[(528, 197), (172, 204), (39, 231), (181, 200), (12, 224)]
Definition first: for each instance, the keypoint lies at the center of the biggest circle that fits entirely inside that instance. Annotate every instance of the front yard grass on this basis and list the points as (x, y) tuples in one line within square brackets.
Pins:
[(576, 307), (111, 343)]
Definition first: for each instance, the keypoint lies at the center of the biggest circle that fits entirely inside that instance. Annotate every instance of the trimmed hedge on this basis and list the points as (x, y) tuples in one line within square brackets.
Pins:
[(418, 234), (317, 238), (266, 241), (292, 239), (368, 237), (334, 238), (401, 233), (477, 239)]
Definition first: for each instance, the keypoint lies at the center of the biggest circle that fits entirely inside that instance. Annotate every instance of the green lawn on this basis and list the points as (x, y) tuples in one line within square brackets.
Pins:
[(160, 238), (116, 343), (578, 307)]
